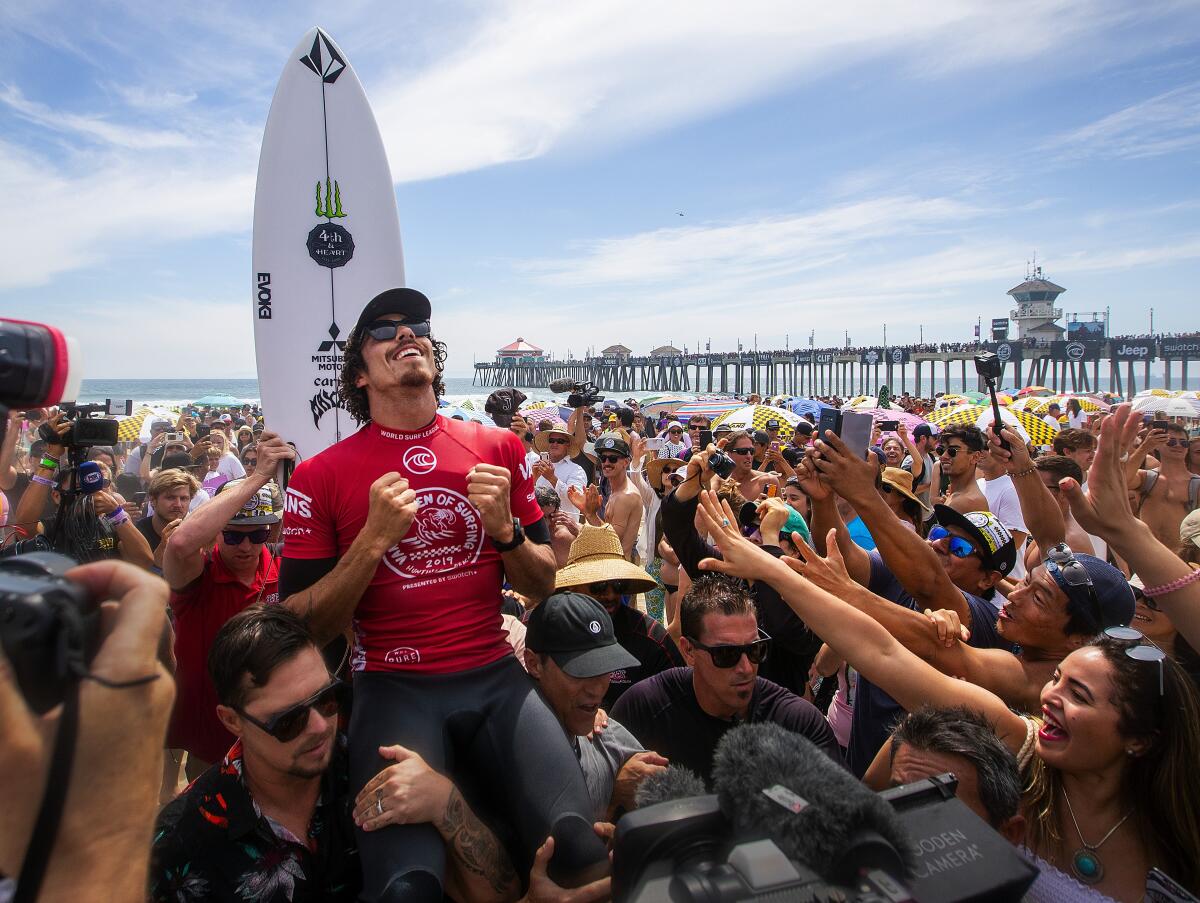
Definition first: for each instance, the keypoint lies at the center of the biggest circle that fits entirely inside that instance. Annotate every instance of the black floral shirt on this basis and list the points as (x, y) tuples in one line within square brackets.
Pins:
[(213, 843)]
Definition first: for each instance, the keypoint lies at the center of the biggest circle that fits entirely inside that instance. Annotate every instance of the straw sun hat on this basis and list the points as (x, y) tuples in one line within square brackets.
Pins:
[(596, 557), (902, 482), (655, 469)]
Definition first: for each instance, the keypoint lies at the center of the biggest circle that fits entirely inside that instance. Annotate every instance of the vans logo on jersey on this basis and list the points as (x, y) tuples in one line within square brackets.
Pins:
[(419, 460), (402, 655), (296, 502), (447, 535), (527, 469)]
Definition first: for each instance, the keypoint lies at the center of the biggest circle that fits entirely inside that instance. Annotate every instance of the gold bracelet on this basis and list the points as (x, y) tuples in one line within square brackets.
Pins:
[(1024, 473)]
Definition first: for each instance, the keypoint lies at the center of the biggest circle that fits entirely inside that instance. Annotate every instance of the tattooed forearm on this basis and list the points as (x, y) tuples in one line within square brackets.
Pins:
[(475, 847)]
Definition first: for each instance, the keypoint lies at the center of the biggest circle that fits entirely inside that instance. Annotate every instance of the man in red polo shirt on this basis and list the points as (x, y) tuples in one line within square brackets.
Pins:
[(217, 563)]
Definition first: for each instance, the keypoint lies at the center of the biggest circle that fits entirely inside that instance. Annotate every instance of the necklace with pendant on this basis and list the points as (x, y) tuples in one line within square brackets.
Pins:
[(1085, 864)]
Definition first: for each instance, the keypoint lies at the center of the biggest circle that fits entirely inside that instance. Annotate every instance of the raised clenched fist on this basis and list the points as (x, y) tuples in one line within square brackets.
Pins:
[(393, 508)]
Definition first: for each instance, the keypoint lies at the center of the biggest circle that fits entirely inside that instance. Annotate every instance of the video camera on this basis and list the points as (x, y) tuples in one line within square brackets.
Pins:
[(88, 427), (582, 395)]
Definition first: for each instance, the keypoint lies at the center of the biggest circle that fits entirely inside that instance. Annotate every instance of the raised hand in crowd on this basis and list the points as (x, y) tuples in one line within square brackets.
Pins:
[(271, 451), (118, 763)]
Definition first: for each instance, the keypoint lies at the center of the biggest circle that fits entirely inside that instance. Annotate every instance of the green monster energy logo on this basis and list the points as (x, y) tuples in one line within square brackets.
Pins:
[(331, 206)]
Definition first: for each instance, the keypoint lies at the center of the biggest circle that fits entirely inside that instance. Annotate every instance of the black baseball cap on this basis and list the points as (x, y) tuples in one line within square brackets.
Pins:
[(993, 540), (576, 631), (922, 429), (407, 301), (502, 404), (761, 438), (615, 444)]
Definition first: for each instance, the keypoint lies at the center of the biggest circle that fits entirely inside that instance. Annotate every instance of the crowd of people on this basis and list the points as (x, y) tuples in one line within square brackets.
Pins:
[(380, 675)]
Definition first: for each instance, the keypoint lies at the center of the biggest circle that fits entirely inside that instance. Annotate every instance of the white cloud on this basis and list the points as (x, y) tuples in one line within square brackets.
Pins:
[(92, 128), (1164, 124)]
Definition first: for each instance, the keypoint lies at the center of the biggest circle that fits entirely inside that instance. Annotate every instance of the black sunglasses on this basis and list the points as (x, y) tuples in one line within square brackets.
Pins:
[(235, 537), (740, 451), (727, 656), (250, 462), (287, 725), (385, 330), (605, 587), (950, 450), (1141, 649), (1070, 574), (558, 441), (610, 459)]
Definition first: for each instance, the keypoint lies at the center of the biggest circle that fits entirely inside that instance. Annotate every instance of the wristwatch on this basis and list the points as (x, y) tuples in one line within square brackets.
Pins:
[(518, 537)]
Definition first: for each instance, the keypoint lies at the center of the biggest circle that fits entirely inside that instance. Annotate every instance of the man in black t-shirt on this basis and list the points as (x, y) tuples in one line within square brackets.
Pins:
[(597, 568), (684, 712), (171, 492)]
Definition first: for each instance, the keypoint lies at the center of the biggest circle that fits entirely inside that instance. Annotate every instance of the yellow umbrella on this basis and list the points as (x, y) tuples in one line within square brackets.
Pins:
[(754, 417), (1030, 427), (130, 427)]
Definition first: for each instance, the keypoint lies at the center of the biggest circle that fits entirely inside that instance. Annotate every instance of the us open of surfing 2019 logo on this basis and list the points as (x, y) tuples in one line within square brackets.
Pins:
[(447, 535)]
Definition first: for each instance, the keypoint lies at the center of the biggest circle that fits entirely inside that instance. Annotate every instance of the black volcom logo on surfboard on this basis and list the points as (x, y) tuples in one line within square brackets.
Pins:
[(323, 59)]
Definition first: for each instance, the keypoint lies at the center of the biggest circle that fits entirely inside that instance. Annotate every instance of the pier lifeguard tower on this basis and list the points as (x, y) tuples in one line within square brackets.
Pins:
[(1035, 314)]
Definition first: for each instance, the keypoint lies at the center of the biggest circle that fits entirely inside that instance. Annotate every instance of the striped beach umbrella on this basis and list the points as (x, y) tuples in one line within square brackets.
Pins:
[(755, 416), (130, 428), (910, 421), (707, 408), (1034, 390), (1040, 405), (1030, 427)]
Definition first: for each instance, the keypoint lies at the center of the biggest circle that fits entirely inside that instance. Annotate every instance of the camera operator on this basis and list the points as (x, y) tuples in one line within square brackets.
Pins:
[(217, 563), (102, 845), (91, 526)]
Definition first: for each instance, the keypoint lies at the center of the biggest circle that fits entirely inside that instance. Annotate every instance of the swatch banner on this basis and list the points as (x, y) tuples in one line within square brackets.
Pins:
[(1180, 349), (1006, 351), (1131, 351), (896, 356), (1075, 351)]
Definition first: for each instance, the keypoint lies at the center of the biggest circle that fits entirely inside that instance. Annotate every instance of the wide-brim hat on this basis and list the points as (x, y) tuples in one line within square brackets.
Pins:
[(656, 468), (596, 556), (541, 441), (901, 481)]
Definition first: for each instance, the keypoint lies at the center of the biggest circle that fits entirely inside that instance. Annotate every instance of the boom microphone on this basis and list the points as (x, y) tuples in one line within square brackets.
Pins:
[(673, 783), (562, 386), (774, 783)]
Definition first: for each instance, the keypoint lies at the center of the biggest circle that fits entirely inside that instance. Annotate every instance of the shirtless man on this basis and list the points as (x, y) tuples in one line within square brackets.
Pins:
[(623, 509), (959, 448), (751, 483), (1165, 494)]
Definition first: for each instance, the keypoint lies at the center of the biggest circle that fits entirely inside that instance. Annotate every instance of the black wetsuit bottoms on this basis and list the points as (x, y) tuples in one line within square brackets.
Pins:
[(489, 722)]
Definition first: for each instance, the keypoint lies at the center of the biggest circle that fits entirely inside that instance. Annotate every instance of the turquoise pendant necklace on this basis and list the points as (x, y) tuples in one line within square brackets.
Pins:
[(1085, 864)]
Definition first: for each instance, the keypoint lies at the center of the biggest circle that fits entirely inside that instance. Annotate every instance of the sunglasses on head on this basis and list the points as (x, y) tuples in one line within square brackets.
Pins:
[(740, 451), (1141, 649), (949, 450), (959, 547), (386, 330), (727, 656), (235, 537), (1070, 575), (610, 459), (605, 587), (287, 725)]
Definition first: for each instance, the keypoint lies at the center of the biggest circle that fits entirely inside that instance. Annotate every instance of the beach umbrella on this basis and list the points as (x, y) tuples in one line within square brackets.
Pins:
[(1034, 390), (129, 428), (537, 415), (869, 403), (1155, 393), (219, 401), (458, 412), (1030, 427), (1003, 398), (1169, 407), (910, 421), (800, 405), (661, 404), (951, 400), (755, 416), (706, 408), (1039, 405)]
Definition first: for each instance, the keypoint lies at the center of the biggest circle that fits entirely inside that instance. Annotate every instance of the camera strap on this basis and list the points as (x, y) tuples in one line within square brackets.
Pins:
[(58, 779)]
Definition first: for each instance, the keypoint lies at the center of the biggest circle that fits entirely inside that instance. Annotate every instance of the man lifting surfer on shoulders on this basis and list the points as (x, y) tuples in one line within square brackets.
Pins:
[(405, 531)]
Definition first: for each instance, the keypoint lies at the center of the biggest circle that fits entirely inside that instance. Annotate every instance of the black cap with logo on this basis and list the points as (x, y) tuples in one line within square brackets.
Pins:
[(576, 631), (407, 301)]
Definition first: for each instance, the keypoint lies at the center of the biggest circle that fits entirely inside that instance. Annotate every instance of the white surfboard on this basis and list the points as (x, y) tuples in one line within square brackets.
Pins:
[(326, 240)]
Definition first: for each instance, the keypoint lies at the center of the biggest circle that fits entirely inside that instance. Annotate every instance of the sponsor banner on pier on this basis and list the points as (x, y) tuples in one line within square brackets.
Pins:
[(1180, 349), (802, 357), (897, 356), (872, 357), (1132, 351), (1006, 351), (1076, 351)]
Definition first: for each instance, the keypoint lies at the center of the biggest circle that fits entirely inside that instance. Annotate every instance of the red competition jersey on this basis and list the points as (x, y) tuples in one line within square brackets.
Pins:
[(434, 602)]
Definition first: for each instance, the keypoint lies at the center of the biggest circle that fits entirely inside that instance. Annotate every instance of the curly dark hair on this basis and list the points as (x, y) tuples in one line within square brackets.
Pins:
[(354, 398)]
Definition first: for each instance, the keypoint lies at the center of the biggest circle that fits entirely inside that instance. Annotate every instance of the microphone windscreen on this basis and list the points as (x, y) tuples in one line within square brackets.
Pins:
[(815, 811), (674, 783), (91, 479), (562, 386), (42, 366)]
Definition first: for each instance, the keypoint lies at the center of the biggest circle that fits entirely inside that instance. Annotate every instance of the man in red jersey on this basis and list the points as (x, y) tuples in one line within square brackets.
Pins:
[(406, 531)]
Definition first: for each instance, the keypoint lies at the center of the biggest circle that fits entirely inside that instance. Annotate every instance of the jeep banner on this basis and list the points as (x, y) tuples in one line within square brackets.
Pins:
[(1006, 351), (1075, 351), (1131, 351)]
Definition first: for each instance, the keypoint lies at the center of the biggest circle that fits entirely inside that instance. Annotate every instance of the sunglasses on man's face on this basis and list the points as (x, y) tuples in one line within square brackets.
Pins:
[(958, 546), (287, 725), (741, 451), (949, 450), (558, 441), (610, 459), (386, 330), (1173, 442), (235, 537), (727, 656), (250, 462), (607, 587)]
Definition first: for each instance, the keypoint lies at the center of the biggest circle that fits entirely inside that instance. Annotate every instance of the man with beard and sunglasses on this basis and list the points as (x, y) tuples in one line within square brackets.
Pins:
[(406, 531), (217, 563), (273, 820), (683, 713)]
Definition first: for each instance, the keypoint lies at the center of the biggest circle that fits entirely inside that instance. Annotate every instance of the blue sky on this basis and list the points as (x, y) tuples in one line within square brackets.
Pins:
[(839, 166)]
